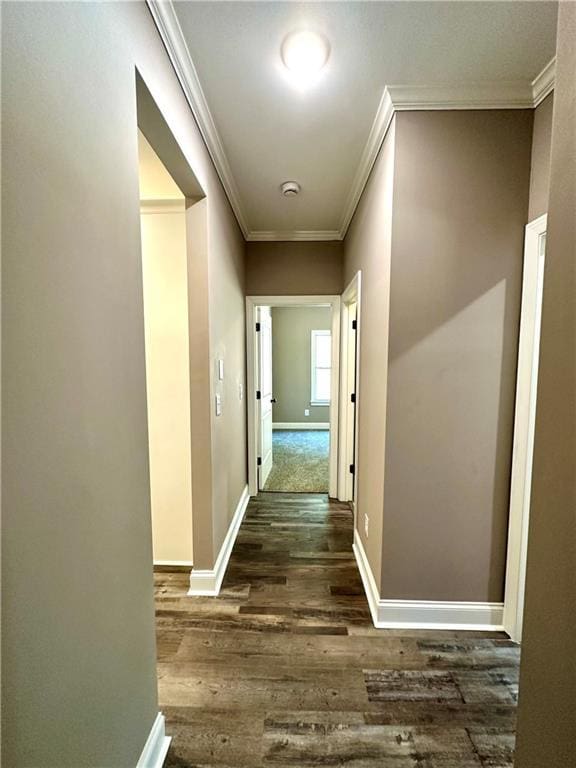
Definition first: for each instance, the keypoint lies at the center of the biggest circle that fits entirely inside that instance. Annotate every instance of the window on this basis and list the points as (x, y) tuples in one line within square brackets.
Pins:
[(321, 367)]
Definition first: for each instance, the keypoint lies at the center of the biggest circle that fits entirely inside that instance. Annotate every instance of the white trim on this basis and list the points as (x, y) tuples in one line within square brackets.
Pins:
[(252, 302), (156, 747), (382, 120), (324, 425), (352, 294), (166, 20), (524, 423), (296, 235), (424, 614), (176, 563), (208, 582), (163, 206), (543, 83)]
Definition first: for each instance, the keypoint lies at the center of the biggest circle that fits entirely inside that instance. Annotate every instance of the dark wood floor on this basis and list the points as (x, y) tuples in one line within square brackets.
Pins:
[(284, 668)]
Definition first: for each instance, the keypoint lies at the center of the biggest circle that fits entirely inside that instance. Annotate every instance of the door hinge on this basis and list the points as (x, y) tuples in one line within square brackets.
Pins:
[(352, 469), (258, 394), (257, 327), (259, 461), (354, 325), (353, 397)]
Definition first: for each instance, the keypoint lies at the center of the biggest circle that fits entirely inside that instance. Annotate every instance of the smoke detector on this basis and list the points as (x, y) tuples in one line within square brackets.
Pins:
[(290, 188)]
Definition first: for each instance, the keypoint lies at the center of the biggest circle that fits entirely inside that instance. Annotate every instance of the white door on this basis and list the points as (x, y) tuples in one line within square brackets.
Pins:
[(264, 390), (351, 402), (525, 418)]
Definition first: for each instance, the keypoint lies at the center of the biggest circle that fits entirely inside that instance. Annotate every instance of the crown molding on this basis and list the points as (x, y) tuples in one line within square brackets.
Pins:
[(384, 115), (515, 94), (166, 21), (543, 83), (266, 236)]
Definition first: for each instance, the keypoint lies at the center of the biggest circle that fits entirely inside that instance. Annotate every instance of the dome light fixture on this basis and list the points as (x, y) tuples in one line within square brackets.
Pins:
[(305, 54), (290, 188)]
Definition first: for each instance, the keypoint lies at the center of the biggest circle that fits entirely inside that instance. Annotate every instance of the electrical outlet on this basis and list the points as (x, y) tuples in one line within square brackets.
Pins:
[(307, 412), (218, 405), (366, 524), (240, 391)]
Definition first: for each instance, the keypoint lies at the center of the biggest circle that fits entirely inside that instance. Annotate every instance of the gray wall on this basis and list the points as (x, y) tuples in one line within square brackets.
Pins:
[(440, 466), (76, 550), (460, 207), (547, 715), (540, 167), (291, 359), (282, 269), (368, 248)]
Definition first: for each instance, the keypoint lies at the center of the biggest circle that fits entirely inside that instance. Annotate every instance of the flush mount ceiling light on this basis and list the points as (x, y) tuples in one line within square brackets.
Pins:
[(290, 188), (305, 54)]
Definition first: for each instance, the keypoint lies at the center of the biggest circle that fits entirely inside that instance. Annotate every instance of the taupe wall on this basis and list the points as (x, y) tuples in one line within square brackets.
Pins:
[(460, 207), (540, 166), (368, 248), (292, 363), (547, 715), (434, 457), (76, 556), (283, 269)]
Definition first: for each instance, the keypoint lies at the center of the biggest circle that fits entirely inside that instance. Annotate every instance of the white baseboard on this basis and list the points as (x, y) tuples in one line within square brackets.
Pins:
[(301, 425), (424, 614), (156, 747), (177, 563), (208, 582)]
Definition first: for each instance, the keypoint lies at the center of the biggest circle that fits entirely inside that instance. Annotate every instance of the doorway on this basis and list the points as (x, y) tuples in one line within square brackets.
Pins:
[(524, 423), (349, 387), (293, 393)]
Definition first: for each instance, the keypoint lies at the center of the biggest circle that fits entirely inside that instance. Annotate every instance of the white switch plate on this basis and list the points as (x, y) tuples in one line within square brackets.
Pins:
[(221, 369), (307, 412), (366, 524), (218, 405), (240, 391)]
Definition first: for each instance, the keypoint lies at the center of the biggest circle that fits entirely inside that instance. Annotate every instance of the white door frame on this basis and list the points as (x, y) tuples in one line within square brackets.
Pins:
[(252, 376), (524, 421), (346, 481)]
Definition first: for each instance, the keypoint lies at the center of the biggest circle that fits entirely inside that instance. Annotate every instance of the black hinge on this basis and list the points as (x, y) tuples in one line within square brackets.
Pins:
[(354, 325), (257, 327), (258, 394), (352, 469), (353, 397), (259, 461)]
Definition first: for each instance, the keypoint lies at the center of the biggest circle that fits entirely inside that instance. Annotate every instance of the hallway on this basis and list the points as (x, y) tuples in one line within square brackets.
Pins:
[(286, 668)]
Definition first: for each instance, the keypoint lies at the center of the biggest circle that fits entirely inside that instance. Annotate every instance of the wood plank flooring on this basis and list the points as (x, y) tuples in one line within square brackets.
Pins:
[(285, 669)]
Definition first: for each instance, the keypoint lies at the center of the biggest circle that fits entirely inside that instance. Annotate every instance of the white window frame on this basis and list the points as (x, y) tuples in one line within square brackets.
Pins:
[(314, 400)]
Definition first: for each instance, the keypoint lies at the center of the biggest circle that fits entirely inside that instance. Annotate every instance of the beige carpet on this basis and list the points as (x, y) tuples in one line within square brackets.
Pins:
[(300, 461)]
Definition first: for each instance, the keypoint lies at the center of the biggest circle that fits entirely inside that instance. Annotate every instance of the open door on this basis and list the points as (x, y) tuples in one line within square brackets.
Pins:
[(264, 394), (524, 425)]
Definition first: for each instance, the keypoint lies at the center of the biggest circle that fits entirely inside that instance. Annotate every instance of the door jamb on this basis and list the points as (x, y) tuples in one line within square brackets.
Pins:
[(251, 360), (351, 295), (525, 414)]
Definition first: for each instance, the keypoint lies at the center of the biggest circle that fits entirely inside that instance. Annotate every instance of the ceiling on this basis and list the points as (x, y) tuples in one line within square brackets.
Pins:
[(262, 131)]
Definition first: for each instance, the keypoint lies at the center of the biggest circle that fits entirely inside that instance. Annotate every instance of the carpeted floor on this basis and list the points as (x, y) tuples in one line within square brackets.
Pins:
[(300, 461)]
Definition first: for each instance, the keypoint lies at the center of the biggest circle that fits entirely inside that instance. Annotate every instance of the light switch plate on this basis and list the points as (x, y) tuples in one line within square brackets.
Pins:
[(221, 369), (307, 412), (366, 524), (218, 405)]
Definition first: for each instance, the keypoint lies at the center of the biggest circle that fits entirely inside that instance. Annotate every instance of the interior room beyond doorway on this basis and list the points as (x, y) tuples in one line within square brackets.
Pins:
[(301, 376)]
